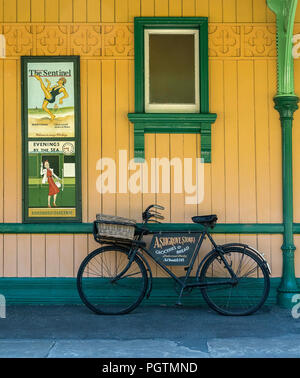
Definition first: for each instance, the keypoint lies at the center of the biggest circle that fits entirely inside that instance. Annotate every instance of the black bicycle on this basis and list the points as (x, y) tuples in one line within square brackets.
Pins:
[(114, 279)]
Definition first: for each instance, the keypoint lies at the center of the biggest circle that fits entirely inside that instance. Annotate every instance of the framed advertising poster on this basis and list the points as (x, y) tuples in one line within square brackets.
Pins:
[(51, 139)]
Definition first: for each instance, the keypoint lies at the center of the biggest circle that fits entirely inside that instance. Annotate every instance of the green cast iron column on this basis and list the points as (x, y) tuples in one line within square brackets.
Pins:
[(286, 104)]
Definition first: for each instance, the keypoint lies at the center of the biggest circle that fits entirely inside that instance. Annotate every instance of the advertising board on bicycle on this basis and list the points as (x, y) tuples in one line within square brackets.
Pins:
[(171, 248)]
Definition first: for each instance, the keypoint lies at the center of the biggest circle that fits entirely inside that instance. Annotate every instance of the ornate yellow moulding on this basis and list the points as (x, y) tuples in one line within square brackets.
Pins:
[(94, 40)]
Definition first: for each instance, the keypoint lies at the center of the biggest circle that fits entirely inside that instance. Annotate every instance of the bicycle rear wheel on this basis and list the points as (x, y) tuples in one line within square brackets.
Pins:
[(248, 294), (100, 292)]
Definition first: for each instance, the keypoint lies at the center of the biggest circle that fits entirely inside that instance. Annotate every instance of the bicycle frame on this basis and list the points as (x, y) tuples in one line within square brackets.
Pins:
[(181, 282), (138, 244)]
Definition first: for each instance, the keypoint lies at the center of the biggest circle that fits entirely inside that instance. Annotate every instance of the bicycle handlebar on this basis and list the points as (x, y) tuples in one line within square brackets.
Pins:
[(147, 214), (155, 206)]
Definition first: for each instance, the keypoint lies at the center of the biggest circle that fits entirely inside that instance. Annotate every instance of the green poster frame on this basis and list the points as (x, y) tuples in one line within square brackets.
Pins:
[(26, 139)]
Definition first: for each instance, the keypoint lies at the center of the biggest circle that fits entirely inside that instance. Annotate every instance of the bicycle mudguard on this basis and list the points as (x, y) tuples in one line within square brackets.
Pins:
[(241, 245), (258, 254)]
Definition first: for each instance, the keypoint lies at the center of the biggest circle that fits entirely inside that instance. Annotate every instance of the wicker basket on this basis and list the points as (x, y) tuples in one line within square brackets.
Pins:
[(113, 227)]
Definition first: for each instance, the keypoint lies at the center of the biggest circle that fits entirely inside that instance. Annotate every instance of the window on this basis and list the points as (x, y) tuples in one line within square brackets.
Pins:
[(172, 87), (171, 79)]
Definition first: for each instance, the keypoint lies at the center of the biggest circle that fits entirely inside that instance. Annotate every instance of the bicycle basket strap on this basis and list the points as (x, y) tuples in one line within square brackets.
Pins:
[(110, 226)]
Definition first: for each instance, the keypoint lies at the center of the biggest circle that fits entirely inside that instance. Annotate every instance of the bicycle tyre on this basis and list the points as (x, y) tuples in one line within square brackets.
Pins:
[(103, 296), (244, 298)]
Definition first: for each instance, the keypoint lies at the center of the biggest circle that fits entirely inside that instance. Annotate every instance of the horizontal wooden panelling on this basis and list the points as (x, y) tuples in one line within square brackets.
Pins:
[(47, 255)]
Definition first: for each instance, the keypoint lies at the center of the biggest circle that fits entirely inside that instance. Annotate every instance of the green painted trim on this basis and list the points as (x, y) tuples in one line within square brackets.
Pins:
[(139, 66), (174, 122), (25, 139), (285, 11), (87, 228), (178, 120), (229, 228), (63, 291), (206, 142), (139, 142), (46, 228)]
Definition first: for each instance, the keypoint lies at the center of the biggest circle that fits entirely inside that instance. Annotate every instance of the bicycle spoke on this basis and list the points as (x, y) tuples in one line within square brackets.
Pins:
[(240, 265), (128, 275)]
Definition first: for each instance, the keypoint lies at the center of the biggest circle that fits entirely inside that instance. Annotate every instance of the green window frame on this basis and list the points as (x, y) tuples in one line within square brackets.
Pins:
[(159, 122)]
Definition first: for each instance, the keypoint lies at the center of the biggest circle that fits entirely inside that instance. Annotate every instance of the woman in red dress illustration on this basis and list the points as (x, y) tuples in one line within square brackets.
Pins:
[(48, 175)]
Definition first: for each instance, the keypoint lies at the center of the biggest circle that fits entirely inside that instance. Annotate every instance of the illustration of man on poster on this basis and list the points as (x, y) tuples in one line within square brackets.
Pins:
[(51, 93)]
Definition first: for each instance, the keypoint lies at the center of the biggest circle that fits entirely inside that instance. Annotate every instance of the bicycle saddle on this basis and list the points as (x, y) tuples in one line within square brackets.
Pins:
[(205, 219)]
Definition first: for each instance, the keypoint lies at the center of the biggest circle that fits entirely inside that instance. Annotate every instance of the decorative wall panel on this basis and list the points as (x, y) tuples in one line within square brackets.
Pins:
[(116, 40)]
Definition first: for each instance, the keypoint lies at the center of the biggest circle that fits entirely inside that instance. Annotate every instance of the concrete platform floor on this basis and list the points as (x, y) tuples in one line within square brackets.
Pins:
[(157, 332)]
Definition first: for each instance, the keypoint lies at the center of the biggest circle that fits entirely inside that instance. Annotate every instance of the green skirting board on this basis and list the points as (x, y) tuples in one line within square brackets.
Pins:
[(63, 291)]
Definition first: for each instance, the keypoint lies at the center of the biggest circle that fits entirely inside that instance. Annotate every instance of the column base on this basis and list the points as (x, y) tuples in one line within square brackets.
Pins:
[(284, 299), (288, 286)]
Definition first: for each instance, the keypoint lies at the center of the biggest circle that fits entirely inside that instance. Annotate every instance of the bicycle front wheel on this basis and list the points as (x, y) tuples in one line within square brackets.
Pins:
[(101, 288), (250, 291)]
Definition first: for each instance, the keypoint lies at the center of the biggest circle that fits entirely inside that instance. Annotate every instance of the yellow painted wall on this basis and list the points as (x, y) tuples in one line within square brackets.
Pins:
[(243, 183)]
